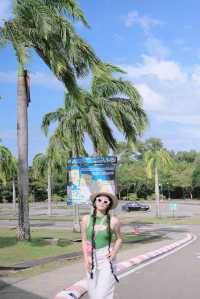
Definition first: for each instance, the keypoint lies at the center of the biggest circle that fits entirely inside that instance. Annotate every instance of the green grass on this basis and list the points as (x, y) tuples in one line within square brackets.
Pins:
[(13, 251)]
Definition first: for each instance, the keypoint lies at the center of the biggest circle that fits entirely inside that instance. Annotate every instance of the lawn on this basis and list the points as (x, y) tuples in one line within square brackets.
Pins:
[(12, 251)]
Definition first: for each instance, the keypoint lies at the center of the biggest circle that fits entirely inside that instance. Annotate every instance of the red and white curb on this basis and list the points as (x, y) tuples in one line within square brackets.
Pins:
[(79, 288)]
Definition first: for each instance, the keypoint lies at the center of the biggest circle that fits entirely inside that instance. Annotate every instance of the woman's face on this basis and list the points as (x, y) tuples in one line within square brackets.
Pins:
[(102, 202)]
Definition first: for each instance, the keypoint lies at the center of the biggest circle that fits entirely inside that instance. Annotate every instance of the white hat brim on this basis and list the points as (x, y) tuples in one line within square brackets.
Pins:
[(112, 196)]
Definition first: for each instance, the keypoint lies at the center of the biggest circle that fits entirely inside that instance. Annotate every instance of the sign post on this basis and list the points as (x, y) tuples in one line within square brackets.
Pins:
[(89, 175)]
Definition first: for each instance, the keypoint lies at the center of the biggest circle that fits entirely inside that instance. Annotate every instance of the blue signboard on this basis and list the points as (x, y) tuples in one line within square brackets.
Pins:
[(89, 175)]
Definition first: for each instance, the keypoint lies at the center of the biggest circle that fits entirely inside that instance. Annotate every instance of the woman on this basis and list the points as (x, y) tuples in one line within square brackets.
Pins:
[(99, 257)]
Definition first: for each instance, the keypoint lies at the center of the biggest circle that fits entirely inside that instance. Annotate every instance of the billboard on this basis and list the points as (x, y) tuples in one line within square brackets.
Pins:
[(88, 175)]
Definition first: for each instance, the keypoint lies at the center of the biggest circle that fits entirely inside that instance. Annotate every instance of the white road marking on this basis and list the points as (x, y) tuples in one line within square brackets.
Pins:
[(156, 259)]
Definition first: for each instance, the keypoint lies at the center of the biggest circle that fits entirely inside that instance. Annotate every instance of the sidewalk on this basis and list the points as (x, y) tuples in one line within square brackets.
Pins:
[(47, 285)]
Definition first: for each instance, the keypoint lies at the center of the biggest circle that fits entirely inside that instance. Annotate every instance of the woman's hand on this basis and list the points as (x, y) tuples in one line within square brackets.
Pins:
[(88, 264), (111, 255)]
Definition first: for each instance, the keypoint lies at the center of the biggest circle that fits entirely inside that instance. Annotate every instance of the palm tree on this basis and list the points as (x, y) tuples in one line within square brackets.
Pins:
[(8, 169), (45, 27), (157, 158), (108, 99), (52, 162)]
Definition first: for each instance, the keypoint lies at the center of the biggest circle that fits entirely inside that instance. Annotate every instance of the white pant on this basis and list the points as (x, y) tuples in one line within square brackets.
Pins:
[(103, 283)]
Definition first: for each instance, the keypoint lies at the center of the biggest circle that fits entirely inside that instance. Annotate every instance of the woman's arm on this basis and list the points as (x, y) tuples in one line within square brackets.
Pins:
[(115, 226), (87, 258)]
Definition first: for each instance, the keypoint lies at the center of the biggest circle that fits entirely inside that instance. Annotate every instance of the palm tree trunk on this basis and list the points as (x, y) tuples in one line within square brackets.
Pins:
[(76, 222), (157, 193), (49, 192), (14, 194), (23, 230)]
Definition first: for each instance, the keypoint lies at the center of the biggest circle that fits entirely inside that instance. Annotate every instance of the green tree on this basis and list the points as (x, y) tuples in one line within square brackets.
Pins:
[(156, 158), (49, 164), (8, 169), (44, 26)]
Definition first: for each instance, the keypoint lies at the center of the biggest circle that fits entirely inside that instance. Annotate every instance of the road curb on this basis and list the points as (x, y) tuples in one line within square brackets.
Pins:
[(79, 288)]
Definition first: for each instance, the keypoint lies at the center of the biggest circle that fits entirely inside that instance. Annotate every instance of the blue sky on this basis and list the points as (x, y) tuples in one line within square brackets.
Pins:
[(156, 42)]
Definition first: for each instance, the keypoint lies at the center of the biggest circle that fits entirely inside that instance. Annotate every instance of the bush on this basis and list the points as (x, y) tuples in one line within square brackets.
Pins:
[(151, 196), (57, 198), (132, 196)]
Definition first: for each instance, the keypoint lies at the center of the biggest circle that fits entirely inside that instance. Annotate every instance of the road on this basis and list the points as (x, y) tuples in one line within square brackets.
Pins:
[(174, 276), (184, 208)]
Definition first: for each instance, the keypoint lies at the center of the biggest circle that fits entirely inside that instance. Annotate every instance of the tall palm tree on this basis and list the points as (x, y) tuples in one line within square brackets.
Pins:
[(45, 26), (109, 99), (155, 159), (8, 169), (48, 164)]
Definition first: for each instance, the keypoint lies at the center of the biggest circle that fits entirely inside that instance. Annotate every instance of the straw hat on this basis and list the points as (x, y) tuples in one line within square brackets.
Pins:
[(111, 195)]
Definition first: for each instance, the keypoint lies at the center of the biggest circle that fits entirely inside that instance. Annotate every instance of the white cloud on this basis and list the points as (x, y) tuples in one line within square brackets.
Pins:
[(131, 18), (145, 22), (152, 100), (163, 70), (196, 75), (181, 119), (5, 10), (194, 133), (155, 47), (171, 96)]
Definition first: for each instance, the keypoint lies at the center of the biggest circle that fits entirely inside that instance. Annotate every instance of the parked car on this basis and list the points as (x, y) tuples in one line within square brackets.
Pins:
[(135, 206)]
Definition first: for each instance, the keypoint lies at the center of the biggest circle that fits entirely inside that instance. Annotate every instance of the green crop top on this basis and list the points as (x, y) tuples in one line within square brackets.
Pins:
[(101, 236)]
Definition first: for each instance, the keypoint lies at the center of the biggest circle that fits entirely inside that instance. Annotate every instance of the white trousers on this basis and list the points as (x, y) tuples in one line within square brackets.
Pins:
[(103, 283)]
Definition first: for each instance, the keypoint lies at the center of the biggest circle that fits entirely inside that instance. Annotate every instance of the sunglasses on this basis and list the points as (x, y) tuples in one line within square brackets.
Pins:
[(106, 201)]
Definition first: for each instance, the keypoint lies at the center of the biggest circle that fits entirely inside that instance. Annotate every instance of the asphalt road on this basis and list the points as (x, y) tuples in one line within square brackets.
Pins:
[(183, 208), (175, 276)]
